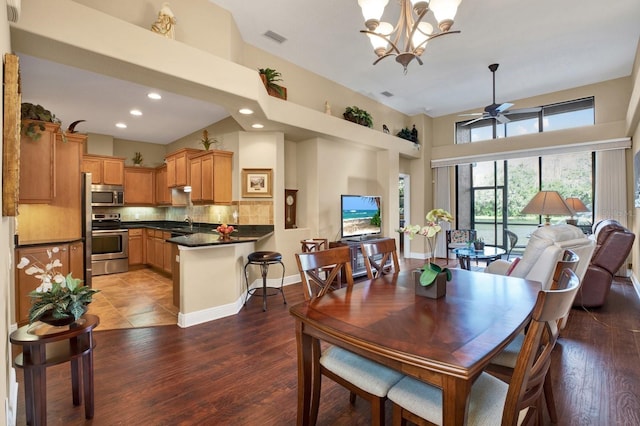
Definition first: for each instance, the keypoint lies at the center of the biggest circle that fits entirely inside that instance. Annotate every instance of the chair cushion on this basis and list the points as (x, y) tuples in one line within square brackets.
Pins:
[(362, 372), (486, 401), (509, 355)]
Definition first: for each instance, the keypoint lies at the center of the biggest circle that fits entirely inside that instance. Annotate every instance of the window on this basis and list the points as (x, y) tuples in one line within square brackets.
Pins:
[(564, 115)]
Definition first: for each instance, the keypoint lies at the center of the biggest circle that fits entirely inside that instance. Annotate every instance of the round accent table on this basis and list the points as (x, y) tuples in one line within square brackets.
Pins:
[(45, 345), (489, 253)]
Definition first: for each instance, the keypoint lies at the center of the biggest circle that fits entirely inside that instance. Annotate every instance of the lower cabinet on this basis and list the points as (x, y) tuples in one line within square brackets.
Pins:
[(158, 251), (136, 244), (70, 255)]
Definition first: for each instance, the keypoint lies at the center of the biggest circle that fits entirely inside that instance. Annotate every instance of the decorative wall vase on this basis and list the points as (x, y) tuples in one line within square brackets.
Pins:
[(436, 290)]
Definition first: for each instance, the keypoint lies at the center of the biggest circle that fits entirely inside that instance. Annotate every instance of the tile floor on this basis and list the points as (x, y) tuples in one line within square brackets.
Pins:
[(138, 298)]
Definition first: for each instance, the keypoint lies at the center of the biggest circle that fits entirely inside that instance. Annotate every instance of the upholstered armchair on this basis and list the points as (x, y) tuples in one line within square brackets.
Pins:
[(546, 246), (613, 244)]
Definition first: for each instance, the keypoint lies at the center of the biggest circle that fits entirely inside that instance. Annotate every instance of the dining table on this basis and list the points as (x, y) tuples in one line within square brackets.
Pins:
[(446, 342)]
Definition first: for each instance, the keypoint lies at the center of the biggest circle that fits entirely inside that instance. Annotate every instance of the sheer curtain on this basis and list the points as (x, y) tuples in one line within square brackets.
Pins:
[(611, 194)]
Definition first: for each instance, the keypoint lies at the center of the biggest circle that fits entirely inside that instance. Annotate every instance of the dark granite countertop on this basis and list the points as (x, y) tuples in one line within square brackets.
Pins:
[(203, 234)]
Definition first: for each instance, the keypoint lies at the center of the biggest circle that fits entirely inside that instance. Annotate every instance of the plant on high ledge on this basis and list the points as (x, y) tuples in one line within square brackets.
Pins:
[(358, 116), (404, 134), (137, 158), (29, 111), (206, 141), (269, 77), (58, 300)]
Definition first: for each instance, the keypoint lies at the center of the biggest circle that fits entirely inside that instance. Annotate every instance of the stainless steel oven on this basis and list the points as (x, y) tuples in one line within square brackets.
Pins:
[(109, 245)]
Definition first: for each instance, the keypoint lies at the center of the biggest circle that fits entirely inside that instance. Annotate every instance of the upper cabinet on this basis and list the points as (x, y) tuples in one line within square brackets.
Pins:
[(104, 170), (178, 167), (163, 192), (139, 186), (37, 159), (211, 177)]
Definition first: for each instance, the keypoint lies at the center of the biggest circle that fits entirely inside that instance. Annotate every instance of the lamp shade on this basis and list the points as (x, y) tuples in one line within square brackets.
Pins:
[(576, 205), (548, 203)]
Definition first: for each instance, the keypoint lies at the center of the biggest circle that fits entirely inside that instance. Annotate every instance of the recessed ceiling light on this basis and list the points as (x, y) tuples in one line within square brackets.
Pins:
[(245, 111), (121, 125), (135, 112), (257, 126), (154, 95)]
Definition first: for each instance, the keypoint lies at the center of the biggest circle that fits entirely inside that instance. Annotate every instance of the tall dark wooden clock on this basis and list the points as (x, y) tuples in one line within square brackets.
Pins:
[(290, 202)]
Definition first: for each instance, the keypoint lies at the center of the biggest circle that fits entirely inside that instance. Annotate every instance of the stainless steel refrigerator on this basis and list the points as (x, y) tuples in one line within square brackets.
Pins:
[(86, 227)]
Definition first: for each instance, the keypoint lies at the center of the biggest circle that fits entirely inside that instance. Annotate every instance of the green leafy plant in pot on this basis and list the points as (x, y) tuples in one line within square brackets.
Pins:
[(270, 77), (137, 158), (37, 113), (358, 116), (59, 299), (206, 141)]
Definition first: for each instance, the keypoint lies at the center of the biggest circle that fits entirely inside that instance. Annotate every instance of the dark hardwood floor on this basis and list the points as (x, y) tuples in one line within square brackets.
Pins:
[(241, 370)]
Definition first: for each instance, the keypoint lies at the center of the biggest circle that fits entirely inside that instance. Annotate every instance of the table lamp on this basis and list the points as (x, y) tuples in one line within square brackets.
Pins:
[(577, 206), (548, 203)]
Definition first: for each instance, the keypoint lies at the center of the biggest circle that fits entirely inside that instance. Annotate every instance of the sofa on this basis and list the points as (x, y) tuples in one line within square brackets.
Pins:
[(546, 246), (613, 245)]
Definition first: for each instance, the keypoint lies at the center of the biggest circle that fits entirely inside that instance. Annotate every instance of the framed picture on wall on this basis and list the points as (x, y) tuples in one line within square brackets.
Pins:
[(257, 183)]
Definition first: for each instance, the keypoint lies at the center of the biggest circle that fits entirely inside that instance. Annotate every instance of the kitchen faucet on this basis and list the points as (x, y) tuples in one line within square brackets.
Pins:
[(190, 222)]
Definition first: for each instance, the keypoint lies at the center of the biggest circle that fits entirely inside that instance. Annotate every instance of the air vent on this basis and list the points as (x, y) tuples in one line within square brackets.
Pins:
[(387, 94), (275, 37)]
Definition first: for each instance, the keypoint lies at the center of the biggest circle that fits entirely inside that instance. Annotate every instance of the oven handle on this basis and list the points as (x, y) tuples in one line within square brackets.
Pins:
[(109, 231)]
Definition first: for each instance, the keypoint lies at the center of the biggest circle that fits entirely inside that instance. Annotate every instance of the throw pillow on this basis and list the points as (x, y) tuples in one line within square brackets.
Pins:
[(513, 266)]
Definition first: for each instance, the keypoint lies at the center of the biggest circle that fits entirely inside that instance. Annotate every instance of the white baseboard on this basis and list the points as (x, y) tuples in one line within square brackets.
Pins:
[(11, 403), (636, 284)]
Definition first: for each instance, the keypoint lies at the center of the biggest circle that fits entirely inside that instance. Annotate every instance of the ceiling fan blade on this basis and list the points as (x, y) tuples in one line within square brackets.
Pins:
[(502, 119), (524, 110), (473, 114), (504, 107), (475, 120)]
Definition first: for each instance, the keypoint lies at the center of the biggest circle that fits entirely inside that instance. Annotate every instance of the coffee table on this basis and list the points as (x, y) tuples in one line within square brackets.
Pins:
[(489, 253)]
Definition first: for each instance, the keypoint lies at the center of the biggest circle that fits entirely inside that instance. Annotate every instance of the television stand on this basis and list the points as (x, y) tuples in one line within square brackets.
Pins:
[(358, 267)]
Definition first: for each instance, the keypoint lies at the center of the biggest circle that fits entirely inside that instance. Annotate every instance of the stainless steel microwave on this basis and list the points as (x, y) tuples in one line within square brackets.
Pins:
[(107, 195)]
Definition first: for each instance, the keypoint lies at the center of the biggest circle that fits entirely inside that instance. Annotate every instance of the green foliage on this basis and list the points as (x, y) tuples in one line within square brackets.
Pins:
[(137, 158), (63, 300), (375, 220), (33, 130), (359, 116), (271, 76), (404, 134)]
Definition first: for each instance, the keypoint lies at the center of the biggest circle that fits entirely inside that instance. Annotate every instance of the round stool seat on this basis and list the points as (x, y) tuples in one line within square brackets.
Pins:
[(264, 256)]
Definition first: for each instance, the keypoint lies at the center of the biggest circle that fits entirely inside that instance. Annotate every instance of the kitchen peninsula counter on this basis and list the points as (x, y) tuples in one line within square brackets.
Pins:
[(208, 272)]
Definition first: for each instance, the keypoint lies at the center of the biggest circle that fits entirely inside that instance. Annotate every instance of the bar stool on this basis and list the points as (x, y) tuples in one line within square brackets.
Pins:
[(264, 259)]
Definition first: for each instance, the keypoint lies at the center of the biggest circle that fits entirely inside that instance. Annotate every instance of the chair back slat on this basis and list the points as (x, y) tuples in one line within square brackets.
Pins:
[(377, 255), (527, 381), (314, 244), (320, 271)]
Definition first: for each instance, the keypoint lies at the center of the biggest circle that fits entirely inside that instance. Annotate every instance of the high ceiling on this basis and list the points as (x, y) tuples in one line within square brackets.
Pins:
[(542, 47)]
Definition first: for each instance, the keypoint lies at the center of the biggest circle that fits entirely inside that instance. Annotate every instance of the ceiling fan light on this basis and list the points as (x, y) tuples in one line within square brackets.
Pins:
[(419, 6), (444, 12), (372, 9)]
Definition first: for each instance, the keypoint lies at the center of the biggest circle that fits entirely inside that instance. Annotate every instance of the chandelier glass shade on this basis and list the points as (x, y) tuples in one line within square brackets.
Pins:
[(408, 39)]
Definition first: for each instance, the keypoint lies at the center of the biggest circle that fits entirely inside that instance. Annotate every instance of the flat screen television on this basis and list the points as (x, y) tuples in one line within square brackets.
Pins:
[(360, 216)]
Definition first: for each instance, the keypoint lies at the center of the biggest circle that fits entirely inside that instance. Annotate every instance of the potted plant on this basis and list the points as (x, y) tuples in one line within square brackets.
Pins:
[(357, 115), (206, 141), (269, 78), (59, 300), (478, 244), (404, 134), (137, 159), (430, 230), (34, 114)]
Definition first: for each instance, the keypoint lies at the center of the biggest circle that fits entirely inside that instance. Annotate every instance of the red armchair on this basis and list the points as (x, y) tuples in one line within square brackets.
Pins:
[(613, 244)]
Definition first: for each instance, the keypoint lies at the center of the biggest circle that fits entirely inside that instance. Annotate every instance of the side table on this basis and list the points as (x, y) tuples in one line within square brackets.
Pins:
[(43, 346), (489, 253)]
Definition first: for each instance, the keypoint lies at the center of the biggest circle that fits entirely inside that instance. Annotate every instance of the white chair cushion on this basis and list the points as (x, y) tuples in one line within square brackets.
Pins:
[(486, 401), (362, 372), (509, 355)]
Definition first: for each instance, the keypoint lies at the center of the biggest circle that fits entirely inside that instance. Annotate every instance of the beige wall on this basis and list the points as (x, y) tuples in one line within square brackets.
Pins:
[(633, 125)]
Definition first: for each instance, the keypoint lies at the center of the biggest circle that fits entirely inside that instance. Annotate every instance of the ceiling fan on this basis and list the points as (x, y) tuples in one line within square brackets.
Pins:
[(496, 111)]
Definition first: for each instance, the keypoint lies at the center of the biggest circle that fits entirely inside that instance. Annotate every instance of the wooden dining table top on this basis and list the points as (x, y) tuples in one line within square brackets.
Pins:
[(433, 339)]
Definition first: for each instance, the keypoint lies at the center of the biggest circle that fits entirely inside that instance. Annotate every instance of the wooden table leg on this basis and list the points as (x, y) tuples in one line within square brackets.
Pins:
[(87, 373), (38, 378), (455, 400), (75, 382), (304, 346), (28, 394)]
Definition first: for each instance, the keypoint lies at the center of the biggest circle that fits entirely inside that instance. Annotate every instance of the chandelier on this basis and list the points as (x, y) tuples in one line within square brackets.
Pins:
[(409, 38)]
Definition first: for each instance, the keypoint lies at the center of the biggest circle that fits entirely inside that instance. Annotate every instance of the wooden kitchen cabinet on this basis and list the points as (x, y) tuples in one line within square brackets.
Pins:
[(163, 192), (211, 177), (178, 167), (37, 164), (136, 243), (104, 170), (149, 248), (166, 252), (139, 186), (61, 218), (72, 258)]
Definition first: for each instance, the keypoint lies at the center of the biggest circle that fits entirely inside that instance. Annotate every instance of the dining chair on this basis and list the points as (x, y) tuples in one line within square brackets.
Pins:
[(314, 244), (380, 257), (513, 240), (491, 400), (361, 376)]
